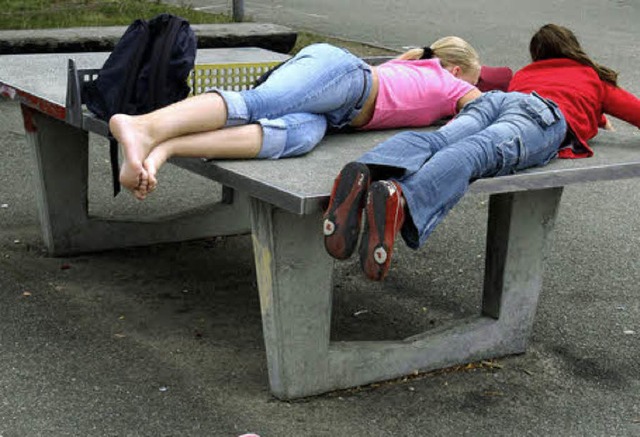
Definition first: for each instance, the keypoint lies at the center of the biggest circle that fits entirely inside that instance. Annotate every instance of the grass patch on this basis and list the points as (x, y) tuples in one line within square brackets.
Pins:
[(42, 14)]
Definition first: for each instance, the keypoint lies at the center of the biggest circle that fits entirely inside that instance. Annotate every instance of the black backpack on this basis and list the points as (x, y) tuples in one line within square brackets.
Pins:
[(147, 69)]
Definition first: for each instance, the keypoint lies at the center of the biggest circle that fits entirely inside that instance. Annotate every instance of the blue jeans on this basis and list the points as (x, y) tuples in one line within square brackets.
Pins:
[(321, 84), (496, 134)]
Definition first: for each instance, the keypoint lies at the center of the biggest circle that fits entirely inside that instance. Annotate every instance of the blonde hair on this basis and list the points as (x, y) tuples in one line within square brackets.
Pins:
[(452, 51)]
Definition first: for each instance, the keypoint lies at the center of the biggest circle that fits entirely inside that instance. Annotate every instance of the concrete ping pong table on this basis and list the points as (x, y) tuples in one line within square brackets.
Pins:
[(280, 202)]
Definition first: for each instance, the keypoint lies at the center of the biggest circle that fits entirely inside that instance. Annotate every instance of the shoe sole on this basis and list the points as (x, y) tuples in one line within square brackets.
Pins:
[(341, 222), (375, 255), (375, 252)]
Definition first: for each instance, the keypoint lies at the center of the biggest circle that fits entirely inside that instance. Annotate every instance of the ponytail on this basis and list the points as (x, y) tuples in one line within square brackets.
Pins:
[(427, 53), (454, 51), (451, 50)]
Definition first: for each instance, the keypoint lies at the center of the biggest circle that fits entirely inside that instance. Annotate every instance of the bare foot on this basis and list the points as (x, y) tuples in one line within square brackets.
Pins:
[(136, 145), (152, 164), (141, 191)]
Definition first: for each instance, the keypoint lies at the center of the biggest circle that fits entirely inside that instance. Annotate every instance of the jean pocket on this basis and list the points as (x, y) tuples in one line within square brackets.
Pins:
[(509, 155), (541, 110)]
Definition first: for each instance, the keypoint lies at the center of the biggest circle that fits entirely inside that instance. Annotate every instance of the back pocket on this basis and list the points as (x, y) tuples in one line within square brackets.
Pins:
[(543, 111)]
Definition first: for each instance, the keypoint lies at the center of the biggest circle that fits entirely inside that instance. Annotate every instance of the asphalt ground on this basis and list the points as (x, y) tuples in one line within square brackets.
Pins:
[(166, 340)]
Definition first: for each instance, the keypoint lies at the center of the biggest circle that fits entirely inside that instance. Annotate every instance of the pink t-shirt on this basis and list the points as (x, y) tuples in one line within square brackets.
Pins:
[(415, 93)]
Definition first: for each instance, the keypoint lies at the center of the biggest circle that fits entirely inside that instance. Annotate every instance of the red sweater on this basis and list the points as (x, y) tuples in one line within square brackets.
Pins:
[(581, 96)]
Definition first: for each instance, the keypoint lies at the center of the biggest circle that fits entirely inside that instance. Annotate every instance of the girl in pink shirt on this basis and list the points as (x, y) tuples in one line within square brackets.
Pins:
[(416, 93), (289, 112)]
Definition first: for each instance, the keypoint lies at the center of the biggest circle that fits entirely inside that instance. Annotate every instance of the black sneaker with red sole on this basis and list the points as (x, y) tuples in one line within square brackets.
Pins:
[(341, 221), (384, 216)]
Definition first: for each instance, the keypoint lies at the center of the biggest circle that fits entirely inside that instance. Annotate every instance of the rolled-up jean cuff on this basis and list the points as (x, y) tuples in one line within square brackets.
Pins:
[(274, 138), (237, 112)]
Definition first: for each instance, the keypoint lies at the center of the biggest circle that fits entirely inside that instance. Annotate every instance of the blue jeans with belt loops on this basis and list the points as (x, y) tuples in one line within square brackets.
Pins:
[(496, 134), (321, 85)]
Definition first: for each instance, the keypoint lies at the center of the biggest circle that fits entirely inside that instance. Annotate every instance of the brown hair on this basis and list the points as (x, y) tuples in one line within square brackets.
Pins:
[(552, 41)]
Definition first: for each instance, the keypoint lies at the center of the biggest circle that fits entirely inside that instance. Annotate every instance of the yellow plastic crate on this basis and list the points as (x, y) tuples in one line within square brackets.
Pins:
[(232, 77)]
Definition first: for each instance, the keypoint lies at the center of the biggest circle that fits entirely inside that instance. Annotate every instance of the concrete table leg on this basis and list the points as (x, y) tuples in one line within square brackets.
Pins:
[(61, 155), (518, 229), (294, 278), (295, 283), (519, 226)]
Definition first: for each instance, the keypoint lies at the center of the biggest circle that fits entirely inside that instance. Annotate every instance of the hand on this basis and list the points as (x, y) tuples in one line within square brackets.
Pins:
[(607, 124)]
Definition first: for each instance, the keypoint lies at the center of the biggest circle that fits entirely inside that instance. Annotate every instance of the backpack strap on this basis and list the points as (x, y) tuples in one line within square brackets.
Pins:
[(115, 168), (263, 78)]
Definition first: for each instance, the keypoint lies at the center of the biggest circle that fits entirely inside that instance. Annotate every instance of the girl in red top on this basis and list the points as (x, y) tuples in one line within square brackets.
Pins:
[(583, 89), (554, 106)]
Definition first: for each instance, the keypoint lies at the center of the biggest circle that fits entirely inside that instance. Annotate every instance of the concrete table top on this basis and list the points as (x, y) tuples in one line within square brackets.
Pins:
[(42, 78), (302, 184)]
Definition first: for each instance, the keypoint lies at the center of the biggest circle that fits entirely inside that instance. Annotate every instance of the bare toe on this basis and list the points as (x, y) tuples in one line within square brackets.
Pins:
[(153, 182), (152, 164), (142, 190), (130, 176), (140, 195)]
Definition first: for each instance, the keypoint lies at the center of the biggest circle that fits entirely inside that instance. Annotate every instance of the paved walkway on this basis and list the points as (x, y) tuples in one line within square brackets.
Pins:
[(166, 340)]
